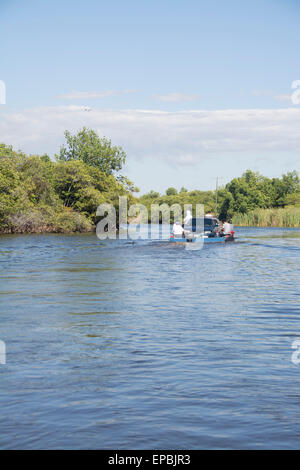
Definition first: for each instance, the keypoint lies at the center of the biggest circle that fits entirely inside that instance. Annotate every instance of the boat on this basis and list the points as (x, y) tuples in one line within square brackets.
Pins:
[(205, 239), (207, 232)]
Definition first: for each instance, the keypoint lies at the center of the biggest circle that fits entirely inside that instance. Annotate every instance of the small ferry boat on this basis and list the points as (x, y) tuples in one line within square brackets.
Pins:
[(197, 231)]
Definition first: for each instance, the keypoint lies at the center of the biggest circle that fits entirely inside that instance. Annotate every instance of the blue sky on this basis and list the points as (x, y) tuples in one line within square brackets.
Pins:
[(171, 81)]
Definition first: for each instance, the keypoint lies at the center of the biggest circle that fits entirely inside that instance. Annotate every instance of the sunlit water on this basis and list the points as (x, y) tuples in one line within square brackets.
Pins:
[(117, 344)]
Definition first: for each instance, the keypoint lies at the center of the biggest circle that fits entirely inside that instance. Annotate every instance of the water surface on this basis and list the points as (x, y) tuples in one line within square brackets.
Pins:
[(145, 345)]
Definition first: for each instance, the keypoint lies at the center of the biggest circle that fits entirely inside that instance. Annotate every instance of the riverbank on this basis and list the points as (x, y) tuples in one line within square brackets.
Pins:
[(47, 221), (42, 195), (68, 221)]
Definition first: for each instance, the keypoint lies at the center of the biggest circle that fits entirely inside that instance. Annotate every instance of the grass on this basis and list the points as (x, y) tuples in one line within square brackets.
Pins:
[(277, 217)]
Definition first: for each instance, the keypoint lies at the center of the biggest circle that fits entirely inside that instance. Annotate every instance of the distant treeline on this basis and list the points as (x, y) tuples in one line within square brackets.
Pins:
[(251, 199), (39, 194)]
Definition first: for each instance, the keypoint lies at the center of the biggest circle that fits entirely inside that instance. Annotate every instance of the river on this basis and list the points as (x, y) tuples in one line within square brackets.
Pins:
[(145, 345)]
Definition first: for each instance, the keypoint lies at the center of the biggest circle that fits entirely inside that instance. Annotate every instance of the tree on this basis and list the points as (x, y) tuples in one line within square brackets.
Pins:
[(244, 194), (151, 195), (293, 199), (288, 184), (38, 194), (87, 146), (171, 191)]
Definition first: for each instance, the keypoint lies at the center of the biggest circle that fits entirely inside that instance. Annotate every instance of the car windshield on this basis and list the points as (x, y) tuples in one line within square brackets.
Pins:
[(209, 224)]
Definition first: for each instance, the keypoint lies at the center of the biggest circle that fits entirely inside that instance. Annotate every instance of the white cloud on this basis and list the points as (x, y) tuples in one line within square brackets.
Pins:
[(182, 138), (175, 97), (78, 95), (280, 97)]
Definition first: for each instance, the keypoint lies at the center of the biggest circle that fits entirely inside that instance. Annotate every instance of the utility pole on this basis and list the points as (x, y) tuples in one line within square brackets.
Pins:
[(217, 178), (216, 210)]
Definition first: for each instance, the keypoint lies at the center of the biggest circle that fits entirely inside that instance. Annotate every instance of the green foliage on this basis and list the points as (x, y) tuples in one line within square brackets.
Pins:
[(284, 187), (151, 195), (207, 198), (88, 147), (171, 191), (38, 194), (274, 217), (251, 194), (293, 199), (252, 191), (41, 195)]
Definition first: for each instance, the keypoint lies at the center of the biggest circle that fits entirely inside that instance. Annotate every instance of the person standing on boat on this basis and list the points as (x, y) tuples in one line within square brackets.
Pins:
[(177, 229), (188, 217), (187, 223)]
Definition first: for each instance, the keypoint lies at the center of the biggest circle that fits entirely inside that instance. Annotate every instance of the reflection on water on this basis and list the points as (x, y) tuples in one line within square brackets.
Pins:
[(121, 344)]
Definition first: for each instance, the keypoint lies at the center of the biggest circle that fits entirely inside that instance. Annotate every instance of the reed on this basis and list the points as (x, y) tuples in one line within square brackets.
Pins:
[(276, 217)]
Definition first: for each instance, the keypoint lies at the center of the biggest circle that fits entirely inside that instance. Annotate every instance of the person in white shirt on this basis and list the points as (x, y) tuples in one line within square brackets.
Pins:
[(227, 228), (177, 229)]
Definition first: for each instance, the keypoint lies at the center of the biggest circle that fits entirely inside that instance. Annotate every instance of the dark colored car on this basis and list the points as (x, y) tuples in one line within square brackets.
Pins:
[(211, 225)]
